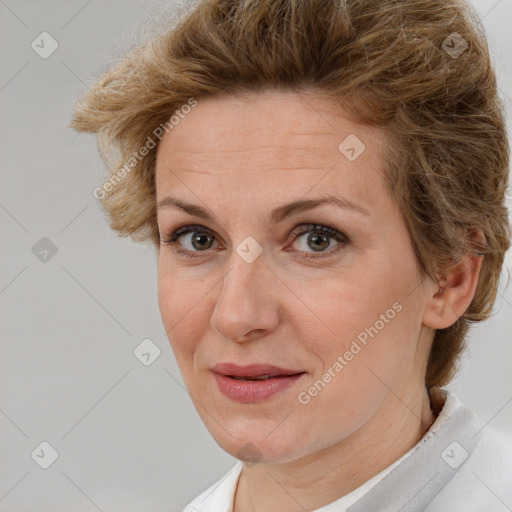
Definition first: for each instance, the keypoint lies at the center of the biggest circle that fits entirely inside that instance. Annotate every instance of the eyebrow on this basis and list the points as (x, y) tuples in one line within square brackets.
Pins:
[(277, 215)]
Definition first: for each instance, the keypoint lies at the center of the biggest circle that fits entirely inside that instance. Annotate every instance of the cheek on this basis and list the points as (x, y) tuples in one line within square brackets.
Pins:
[(182, 312), (345, 309), (375, 349), (365, 327), (356, 366), (177, 294)]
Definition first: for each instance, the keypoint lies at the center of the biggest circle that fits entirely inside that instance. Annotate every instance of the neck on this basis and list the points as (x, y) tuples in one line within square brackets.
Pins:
[(338, 469)]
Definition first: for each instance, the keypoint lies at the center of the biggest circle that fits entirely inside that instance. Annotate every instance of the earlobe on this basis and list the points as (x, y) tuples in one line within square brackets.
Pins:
[(453, 293)]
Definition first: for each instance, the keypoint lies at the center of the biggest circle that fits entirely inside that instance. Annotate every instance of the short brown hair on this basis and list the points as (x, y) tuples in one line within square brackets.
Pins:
[(393, 64)]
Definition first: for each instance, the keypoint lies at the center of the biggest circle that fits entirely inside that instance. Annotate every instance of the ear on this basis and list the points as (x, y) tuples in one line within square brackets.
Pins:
[(455, 291)]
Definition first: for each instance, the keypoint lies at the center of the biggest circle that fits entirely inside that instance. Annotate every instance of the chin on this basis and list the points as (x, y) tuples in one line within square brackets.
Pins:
[(254, 445), (261, 451)]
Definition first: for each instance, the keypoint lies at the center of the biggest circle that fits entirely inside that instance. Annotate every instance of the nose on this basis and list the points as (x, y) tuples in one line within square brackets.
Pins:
[(247, 306)]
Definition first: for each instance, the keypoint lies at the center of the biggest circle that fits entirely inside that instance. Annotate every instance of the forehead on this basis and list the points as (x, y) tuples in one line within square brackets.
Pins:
[(286, 142)]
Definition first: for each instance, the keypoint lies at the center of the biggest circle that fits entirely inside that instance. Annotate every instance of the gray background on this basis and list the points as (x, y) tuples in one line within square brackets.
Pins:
[(127, 435)]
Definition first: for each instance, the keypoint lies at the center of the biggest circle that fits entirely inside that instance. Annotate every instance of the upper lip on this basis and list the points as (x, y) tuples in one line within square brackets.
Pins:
[(252, 370)]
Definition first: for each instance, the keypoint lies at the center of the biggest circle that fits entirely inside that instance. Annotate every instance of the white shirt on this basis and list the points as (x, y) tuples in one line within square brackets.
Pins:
[(460, 464)]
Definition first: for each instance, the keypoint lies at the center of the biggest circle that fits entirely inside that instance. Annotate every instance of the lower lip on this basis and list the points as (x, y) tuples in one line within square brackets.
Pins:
[(251, 391)]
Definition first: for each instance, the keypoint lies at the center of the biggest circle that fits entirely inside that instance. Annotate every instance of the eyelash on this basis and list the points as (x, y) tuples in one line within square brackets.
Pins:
[(298, 231)]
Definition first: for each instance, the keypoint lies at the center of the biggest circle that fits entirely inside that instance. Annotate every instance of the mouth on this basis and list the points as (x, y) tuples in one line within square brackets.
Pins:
[(253, 383), (253, 371), (260, 377)]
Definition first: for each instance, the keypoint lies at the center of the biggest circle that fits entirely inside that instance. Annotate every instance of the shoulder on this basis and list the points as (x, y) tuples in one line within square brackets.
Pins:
[(493, 456), (219, 496), (497, 441), (482, 482)]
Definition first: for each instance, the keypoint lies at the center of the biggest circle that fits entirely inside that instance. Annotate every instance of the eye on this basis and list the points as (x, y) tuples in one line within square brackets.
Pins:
[(200, 240), (319, 239)]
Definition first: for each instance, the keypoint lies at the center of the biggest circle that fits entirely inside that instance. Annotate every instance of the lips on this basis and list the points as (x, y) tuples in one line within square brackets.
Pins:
[(254, 383), (253, 371)]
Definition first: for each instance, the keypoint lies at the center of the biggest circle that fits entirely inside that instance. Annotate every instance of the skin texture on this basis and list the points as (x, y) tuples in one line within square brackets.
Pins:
[(239, 157)]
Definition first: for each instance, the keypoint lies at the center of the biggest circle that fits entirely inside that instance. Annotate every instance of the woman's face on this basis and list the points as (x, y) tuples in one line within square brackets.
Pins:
[(260, 283)]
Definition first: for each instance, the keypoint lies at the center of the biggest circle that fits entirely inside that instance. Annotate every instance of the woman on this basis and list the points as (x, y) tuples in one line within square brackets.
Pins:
[(324, 183)]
